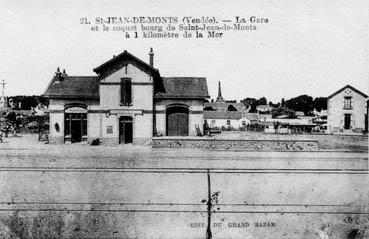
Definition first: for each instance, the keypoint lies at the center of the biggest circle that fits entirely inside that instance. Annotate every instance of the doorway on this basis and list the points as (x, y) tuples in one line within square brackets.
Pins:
[(347, 121), (76, 134), (125, 130), (177, 121), (75, 129)]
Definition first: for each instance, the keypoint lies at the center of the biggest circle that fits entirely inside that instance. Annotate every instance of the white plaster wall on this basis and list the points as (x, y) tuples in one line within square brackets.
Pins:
[(143, 126), (94, 125), (195, 119), (58, 104), (112, 120), (141, 94), (161, 123), (219, 123), (59, 119), (133, 72), (193, 104)]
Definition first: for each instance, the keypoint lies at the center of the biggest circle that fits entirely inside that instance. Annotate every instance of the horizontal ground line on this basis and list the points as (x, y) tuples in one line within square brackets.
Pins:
[(294, 212), (176, 204), (191, 169), (184, 211), (182, 172), (218, 158)]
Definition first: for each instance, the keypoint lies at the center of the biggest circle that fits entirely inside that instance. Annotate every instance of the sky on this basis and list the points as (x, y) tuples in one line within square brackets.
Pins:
[(312, 47)]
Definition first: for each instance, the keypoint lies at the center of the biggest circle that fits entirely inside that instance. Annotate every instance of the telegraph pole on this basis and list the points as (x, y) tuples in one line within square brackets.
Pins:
[(210, 205), (3, 93), (2, 99), (2, 104)]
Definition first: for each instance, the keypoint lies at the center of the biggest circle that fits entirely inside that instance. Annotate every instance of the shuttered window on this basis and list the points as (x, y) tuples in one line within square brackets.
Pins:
[(126, 91)]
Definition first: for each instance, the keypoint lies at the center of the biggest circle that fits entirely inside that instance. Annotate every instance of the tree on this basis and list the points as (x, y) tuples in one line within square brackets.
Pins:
[(11, 116), (26, 102), (302, 103), (254, 103), (320, 103)]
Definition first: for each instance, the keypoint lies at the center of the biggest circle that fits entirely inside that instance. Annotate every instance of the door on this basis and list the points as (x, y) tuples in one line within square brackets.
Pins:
[(347, 121), (75, 127), (76, 131), (177, 121), (125, 130)]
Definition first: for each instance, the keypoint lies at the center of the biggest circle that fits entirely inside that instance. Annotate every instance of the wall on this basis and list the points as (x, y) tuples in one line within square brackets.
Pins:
[(110, 138), (336, 112), (234, 123), (143, 129), (140, 110), (225, 144), (196, 115), (56, 136), (141, 89), (56, 107), (94, 126)]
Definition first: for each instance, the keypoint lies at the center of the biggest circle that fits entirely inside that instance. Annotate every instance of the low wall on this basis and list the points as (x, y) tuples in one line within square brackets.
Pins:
[(227, 144)]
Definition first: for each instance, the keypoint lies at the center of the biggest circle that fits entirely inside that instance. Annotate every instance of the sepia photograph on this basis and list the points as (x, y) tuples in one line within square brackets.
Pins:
[(184, 119)]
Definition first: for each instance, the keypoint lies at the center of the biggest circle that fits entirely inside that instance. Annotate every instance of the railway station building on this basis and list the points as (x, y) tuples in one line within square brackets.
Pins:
[(126, 101)]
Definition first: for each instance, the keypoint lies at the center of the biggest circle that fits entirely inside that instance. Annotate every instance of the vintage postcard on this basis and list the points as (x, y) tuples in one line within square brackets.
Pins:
[(184, 119)]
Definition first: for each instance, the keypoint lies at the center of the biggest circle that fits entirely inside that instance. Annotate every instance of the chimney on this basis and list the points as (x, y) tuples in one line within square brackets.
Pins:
[(64, 73), (151, 54), (58, 74)]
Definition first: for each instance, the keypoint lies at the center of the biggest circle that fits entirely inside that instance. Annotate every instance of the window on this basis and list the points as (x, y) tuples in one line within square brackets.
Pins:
[(213, 121), (109, 129), (228, 122), (126, 91), (244, 123), (347, 102)]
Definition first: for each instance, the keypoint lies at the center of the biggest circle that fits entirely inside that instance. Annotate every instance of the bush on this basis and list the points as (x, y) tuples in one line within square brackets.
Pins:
[(95, 142)]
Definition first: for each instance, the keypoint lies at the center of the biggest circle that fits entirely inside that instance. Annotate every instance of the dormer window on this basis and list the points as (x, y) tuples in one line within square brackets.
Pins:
[(126, 91), (347, 102)]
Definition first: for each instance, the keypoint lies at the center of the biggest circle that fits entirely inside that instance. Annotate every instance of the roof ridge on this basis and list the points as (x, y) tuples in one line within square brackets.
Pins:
[(79, 76), (348, 86), (125, 52), (192, 77)]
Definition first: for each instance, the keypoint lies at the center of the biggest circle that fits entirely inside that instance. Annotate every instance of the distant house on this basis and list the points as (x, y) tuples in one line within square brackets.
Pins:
[(127, 101), (249, 119), (347, 111), (219, 119), (299, 113), (322, 113), (264, 109), (286, 125), (229, 119)]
